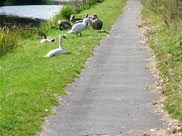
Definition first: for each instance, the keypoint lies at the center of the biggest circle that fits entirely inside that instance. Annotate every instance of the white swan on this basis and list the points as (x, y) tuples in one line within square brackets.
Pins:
[(45, 39), (78, 28), (59, 50)]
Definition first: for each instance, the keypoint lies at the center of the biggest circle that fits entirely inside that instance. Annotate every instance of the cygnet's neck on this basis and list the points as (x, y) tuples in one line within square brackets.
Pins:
[(85, 22), (45, 37)]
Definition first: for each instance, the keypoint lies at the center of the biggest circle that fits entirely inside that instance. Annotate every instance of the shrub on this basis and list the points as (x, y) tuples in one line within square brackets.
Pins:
[(66, 12)]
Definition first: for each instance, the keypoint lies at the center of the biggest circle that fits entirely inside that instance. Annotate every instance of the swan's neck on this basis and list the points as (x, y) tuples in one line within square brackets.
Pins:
[(60, 43)]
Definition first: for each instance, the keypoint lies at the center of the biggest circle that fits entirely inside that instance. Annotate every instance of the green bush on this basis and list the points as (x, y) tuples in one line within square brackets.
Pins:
[(66, 12)]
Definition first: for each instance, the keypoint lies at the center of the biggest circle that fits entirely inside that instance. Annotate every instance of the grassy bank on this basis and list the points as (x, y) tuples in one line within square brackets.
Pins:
[(10, 36), (30, 83), (165, 38)]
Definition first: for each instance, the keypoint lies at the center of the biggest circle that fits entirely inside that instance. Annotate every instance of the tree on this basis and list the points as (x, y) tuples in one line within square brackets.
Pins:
[(2, 2)]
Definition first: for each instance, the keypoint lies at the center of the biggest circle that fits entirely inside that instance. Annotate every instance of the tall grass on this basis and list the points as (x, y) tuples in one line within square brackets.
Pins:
[(8, 40), (9, 37), (170, 10)]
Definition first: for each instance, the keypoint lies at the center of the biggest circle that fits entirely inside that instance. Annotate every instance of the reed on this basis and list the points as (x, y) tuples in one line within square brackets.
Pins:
[(8, 40)]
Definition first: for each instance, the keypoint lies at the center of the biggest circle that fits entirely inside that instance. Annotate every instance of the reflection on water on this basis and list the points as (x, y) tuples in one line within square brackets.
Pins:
[(12, 21), (32, 15)]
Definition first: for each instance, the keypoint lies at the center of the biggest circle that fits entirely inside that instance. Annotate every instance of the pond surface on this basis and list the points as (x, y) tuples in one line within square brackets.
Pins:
[(43, 12), (31, 15)]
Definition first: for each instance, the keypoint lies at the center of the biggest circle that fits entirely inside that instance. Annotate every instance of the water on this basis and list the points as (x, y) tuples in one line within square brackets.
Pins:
[(13, 21), (43, 12), (30, 14)]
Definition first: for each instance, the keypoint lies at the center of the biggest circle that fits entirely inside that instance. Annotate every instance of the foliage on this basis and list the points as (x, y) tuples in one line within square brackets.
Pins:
[(170, 10), (31, 83), (26, 32), (167, 45), (8, 40), (66, 12), (2, 2)]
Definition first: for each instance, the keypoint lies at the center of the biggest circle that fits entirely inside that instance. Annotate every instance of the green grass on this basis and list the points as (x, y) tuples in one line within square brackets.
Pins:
[(167, 45), (30, 83)]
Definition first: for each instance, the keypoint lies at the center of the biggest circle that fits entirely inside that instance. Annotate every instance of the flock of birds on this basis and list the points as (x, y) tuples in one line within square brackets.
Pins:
[(79, 25)]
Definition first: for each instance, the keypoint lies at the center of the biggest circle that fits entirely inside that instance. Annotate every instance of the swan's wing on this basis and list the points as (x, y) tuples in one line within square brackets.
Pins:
[(78, 21), (66, 25), (55, 52), (97, 24), (52, 53), (78, 28)]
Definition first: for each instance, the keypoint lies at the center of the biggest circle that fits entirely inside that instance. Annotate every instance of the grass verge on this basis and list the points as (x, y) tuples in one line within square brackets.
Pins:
[(30, 83), (166, 43)]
